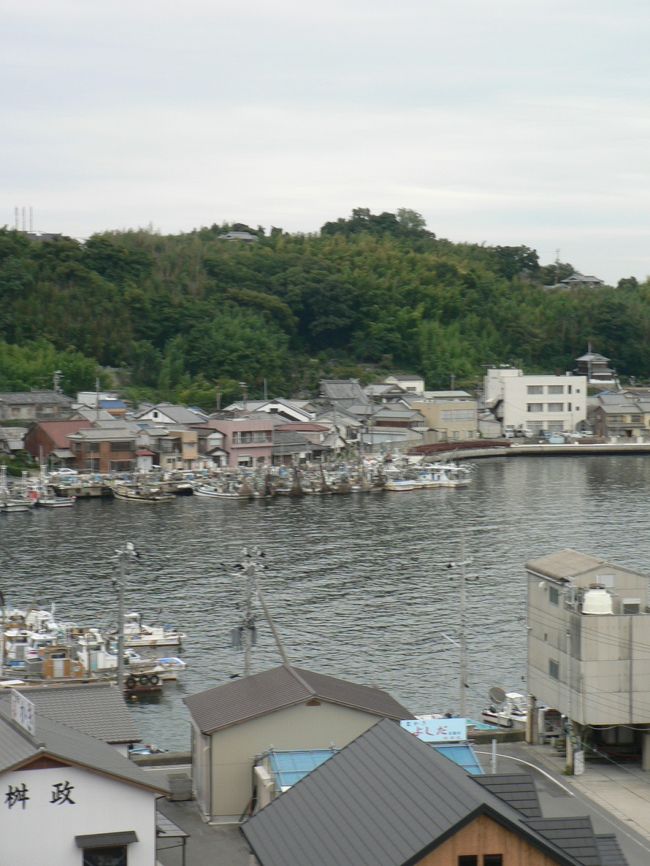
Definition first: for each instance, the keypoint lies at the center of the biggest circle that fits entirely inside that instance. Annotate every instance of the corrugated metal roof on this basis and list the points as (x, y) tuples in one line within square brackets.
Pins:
[(290, 767), (96, 709), (387, 799), (263, 693)]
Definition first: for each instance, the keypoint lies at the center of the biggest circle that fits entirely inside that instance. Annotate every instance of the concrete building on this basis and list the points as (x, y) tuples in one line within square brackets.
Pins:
[(285, 707), (588, 650), (537, 402), (453, 416)]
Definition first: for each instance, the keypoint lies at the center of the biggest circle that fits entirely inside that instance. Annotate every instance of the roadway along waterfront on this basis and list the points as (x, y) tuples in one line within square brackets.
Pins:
[(358, 584)]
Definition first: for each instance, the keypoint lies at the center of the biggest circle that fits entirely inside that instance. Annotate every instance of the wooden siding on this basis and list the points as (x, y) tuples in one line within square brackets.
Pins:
[(486, 836)]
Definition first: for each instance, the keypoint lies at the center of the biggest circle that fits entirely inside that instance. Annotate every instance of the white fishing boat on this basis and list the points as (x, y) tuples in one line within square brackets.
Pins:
[(170, 667), (509, 710), (401, 485), (137, 634)]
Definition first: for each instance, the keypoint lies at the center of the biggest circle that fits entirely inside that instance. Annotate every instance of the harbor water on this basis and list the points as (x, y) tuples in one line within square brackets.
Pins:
[(359, 585)]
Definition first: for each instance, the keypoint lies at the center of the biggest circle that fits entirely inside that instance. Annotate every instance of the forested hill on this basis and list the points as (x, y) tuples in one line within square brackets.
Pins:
[(182, 313)]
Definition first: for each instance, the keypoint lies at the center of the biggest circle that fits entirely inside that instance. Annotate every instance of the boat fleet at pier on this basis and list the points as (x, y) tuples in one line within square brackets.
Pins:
[(39, 649), (63, 489)]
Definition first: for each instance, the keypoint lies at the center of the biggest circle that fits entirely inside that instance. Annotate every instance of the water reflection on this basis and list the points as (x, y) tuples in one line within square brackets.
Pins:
[(358, 585)]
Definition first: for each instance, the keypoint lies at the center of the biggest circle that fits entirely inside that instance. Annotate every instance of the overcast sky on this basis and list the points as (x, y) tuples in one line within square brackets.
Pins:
[(505, 122)]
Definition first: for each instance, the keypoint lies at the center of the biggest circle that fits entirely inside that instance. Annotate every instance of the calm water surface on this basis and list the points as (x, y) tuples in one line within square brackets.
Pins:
[(358, 585)]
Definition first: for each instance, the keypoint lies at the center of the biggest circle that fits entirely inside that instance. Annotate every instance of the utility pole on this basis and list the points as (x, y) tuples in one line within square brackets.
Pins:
[(462, 637), (2, 633), (125, 555), (250, 568)]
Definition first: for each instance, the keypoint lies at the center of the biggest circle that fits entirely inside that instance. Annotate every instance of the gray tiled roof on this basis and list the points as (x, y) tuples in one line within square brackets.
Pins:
[(517, 789), (34, 398), (575, 836), (386, 798), (96, 709), (610, 851), (264, 693), (68, 745)]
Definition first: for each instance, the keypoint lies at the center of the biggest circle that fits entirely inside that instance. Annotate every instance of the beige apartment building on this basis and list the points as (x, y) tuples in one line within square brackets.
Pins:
[(589, 650)]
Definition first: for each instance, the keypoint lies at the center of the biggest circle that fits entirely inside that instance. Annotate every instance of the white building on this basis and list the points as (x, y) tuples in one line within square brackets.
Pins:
[(536, 403), (70, 798)]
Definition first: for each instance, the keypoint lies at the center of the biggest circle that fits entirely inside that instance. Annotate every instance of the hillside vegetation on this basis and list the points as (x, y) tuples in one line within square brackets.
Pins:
[(178, 315)]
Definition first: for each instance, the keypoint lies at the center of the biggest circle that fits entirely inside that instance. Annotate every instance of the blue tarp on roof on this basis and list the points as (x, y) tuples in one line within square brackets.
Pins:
[(463, 756), (112, 404), (291, 767)]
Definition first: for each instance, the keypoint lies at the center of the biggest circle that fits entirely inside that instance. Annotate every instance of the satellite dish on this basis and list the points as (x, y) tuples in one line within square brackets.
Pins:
[(497, 695)]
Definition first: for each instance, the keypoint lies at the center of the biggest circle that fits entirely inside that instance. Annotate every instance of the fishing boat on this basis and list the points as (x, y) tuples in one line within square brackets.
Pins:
[(140, 493), (509, 711), (137, 634)]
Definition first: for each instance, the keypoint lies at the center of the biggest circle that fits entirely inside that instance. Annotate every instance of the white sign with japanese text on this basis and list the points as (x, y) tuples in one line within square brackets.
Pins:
[(437, 730), (23, 711)]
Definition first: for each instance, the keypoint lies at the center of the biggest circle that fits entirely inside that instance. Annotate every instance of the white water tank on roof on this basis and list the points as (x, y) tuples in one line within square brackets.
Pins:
[(597, 602)]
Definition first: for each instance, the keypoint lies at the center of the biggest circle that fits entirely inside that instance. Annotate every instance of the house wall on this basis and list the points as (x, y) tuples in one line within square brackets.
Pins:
[(603, 661), (44, 832), (301, 727), (452, 419), (38, 443), (535, 411), (486, 836)]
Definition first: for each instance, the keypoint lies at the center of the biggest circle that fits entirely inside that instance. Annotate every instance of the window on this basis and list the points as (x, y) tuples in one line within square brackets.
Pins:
[(555, 389), (554, 669), (569, 389), (468, 860), (493, 860), (114, 856), (553, 595), (535, 407), (534, 389), (555, 407), (121, 446)]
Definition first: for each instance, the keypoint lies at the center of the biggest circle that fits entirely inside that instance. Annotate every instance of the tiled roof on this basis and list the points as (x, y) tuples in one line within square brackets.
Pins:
[(610, 851), (95, 709), (518, 790), (575, 836), (260, 694), (58, 431), (34, 398), (59, 741), (389, 799)]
